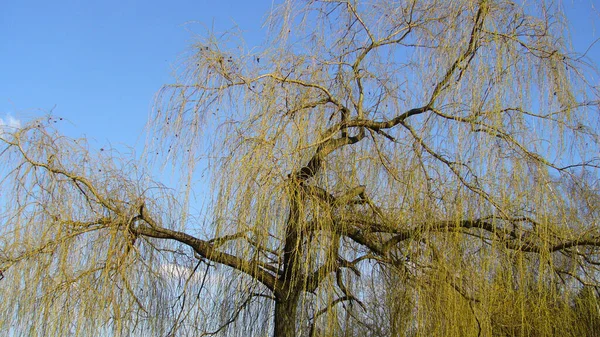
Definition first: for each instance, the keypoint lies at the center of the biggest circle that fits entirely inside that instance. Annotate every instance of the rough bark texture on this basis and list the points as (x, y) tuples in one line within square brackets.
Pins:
[(285, 317)]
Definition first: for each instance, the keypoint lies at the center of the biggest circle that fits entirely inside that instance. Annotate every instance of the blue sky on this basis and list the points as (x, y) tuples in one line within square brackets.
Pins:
[(98, 64)]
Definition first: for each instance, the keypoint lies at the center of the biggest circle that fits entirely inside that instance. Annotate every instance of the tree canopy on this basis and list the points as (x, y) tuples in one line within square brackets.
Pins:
[(381, 168)]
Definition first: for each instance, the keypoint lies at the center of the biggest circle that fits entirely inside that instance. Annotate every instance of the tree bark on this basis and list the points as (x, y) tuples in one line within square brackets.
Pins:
[(286, 304), (285, 317)]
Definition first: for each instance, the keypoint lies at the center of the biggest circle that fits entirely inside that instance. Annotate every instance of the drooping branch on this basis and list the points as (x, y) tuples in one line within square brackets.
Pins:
[(208, 251)]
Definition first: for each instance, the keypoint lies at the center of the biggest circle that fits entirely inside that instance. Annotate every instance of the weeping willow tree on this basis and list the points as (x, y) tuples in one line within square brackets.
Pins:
[(382, 168)]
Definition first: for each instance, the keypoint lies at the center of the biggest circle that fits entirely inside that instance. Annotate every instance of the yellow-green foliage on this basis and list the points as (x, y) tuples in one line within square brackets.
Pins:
[(388, 168)]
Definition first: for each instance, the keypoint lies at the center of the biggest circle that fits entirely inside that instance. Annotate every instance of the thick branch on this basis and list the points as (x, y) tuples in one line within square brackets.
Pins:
[(208, 251), (315, 163), (361, 231)]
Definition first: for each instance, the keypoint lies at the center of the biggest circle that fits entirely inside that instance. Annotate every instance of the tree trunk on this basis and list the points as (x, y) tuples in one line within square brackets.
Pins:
[(285, 317)]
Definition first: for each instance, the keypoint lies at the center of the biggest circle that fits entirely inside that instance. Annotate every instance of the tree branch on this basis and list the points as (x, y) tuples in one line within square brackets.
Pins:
[(208, 251)]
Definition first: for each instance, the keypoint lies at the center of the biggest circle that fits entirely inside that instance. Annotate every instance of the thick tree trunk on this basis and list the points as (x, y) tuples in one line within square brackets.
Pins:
[(285, 317), (286, 304)]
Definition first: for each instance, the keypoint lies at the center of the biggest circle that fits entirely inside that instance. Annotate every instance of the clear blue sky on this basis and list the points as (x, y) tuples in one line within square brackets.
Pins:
[(101, 62)]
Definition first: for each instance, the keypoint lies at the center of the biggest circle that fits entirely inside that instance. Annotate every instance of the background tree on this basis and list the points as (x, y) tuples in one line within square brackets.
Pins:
[(410, 168)]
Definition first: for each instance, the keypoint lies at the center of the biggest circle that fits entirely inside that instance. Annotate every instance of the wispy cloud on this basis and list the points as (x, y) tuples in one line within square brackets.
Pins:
[(175, 271), (9, 124)]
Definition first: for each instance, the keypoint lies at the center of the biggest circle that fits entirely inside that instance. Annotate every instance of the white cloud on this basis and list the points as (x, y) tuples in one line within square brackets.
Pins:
[(175, 271), (9, 123), (178, 272)]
